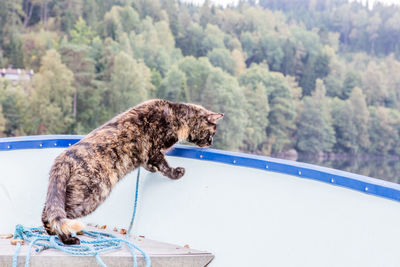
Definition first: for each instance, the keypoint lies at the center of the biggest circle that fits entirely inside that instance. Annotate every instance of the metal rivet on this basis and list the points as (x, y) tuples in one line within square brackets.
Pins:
[(332, 180), (8, 147), (366, 189), (234, 161), (299, 172), (201, 156), (266, 166), (55, 144), (69, 144), (41, 145)]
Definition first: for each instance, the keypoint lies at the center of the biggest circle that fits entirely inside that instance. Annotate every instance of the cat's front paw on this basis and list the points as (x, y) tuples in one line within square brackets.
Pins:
[(177, 173)]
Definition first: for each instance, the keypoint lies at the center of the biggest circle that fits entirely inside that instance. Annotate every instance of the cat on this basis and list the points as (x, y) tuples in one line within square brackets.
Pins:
[(83, 175)]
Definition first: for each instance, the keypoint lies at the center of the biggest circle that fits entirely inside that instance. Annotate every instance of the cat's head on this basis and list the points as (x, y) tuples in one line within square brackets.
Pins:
[(204, 128)]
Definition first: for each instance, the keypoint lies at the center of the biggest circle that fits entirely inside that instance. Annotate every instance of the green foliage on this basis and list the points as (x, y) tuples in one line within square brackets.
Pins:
[(81, 33), (52, 98), (315, 133), (221, 57), (282, 113), (120, 19), (213, 38), (130, 84), (257, 108), (266, 65), (220, 92), (351, 81), (86, 98), (35, 45), (351, 122), (173, 87), (2, 123), (190, 42), (14, 106), (155, 45), (384, 130)]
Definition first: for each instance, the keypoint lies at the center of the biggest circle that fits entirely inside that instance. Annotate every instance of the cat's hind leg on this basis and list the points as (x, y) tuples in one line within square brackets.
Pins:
[(65, 238), (46, 223)]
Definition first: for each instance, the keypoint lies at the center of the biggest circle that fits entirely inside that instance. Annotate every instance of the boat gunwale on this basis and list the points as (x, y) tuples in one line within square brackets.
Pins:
[(349, 180)]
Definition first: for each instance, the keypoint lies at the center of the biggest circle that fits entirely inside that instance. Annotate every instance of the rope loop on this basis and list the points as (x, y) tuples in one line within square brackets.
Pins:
[(99, 242)]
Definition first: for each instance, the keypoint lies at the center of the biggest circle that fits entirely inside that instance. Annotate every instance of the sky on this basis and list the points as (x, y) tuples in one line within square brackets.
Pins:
[(226, 2), (388, 2)]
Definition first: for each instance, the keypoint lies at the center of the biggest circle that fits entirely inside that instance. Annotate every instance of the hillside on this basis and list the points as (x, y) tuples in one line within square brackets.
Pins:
[(313, 75)]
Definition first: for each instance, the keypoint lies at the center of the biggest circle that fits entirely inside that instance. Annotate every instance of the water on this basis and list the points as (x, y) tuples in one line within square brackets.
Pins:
[(385, 168)]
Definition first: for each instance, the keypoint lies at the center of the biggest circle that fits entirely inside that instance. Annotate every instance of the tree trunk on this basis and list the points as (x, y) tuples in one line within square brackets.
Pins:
[(28, 14), (75, 99)]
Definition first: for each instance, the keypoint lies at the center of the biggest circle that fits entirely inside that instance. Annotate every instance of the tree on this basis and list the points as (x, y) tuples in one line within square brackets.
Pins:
[(384, 130), (191, 41), (81, 33), (240, 65), (315, 133), (155, 45), (351, 122), (86, 98), (14, 106), (173, 87), (220, 92), (130, 84), (221, 57), (257, 109), (282, 113), (375, 85), (10, 40), (360, 120), (52, 97), (171, 7), (120, 19), (66, 13), (2, 123), (281, 104), (35, 46), (213, 38), (351, 81)]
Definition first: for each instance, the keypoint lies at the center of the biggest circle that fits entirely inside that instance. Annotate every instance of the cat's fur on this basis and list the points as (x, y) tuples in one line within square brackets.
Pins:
[(83, 175)]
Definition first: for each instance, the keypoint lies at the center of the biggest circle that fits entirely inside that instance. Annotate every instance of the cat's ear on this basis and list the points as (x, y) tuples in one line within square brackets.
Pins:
[(214, 117)]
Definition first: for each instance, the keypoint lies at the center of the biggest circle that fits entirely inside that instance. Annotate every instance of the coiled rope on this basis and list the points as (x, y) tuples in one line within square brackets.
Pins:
[(100, 242)]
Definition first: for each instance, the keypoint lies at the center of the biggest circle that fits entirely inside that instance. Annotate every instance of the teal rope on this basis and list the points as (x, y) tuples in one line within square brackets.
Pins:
[(135, 204), (101, 242)]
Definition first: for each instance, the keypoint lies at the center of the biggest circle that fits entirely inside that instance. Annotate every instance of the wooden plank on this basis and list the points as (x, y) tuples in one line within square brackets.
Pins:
[(161, 254)]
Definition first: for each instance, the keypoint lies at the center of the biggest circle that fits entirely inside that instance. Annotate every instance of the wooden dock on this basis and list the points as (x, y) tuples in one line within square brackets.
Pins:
[(161, 254)]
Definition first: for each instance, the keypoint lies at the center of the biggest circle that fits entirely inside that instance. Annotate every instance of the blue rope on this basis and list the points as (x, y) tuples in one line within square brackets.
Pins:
[(100, 242), (135, 204)]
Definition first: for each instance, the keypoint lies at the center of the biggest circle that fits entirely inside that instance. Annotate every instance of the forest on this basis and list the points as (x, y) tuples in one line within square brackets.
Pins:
[(312, 76)]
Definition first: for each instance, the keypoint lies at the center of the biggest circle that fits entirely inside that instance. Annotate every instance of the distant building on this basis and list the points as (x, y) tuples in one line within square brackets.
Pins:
[(16, 75)]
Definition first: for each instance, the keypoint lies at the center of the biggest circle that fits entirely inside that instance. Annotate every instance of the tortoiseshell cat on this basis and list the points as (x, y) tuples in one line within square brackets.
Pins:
[(83, 175)]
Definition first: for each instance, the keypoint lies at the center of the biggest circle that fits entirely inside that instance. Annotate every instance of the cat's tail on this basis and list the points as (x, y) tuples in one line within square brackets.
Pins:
[(54, 216)]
